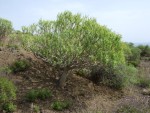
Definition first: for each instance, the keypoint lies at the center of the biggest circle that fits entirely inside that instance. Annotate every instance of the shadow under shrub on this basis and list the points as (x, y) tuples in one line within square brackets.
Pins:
[(117, 77), (83, 72)]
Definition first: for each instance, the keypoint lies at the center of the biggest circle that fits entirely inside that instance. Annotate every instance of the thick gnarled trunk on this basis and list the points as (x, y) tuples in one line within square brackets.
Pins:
[(63, 78)]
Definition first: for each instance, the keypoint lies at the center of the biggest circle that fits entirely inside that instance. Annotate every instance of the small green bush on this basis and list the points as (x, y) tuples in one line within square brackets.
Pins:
[(144, 82), (43, 94), (7, 90), (118, 77), (35, 94), (19, 65), (31, 96), (12, 46), (9, 107), (5, 70), (60, 105), (128, 109)]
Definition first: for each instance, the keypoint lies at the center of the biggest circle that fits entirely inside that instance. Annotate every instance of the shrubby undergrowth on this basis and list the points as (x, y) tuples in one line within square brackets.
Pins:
[(117, 78)]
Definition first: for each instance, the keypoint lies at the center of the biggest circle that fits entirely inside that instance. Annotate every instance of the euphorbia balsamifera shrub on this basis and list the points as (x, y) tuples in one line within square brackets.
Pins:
[(72, 41), (5, 27)]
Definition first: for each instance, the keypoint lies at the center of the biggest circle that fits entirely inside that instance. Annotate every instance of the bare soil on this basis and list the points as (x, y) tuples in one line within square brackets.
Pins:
[(85, 96)]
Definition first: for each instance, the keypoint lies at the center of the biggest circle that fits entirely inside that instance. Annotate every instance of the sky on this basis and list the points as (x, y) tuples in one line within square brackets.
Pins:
[(130, 18)]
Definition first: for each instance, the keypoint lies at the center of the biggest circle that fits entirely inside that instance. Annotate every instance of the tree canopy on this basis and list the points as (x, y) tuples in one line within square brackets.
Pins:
[(73, 40)]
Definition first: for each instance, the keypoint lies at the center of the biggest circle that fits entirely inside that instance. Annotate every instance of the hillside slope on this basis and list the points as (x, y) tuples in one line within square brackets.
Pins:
[(85, 96)]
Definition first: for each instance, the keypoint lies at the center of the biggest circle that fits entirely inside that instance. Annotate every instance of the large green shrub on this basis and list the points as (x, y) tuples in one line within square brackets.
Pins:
[(73, 41), (7, 90), (116, 77), (5, 27)]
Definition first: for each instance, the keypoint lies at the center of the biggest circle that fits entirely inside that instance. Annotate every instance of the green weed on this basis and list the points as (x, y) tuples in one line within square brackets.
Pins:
[(19, 65), (41, 94), (9, 107), (60, 105), (36, 109), (7, 90), (144, 82)]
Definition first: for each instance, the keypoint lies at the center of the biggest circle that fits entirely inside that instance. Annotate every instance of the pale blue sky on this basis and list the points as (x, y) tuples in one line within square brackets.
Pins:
[(130, 18)]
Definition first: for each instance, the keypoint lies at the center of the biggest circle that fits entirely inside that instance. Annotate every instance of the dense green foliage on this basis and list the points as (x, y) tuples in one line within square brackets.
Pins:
[(73, 41), (7, 90), (5, 27), (72, 38)]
